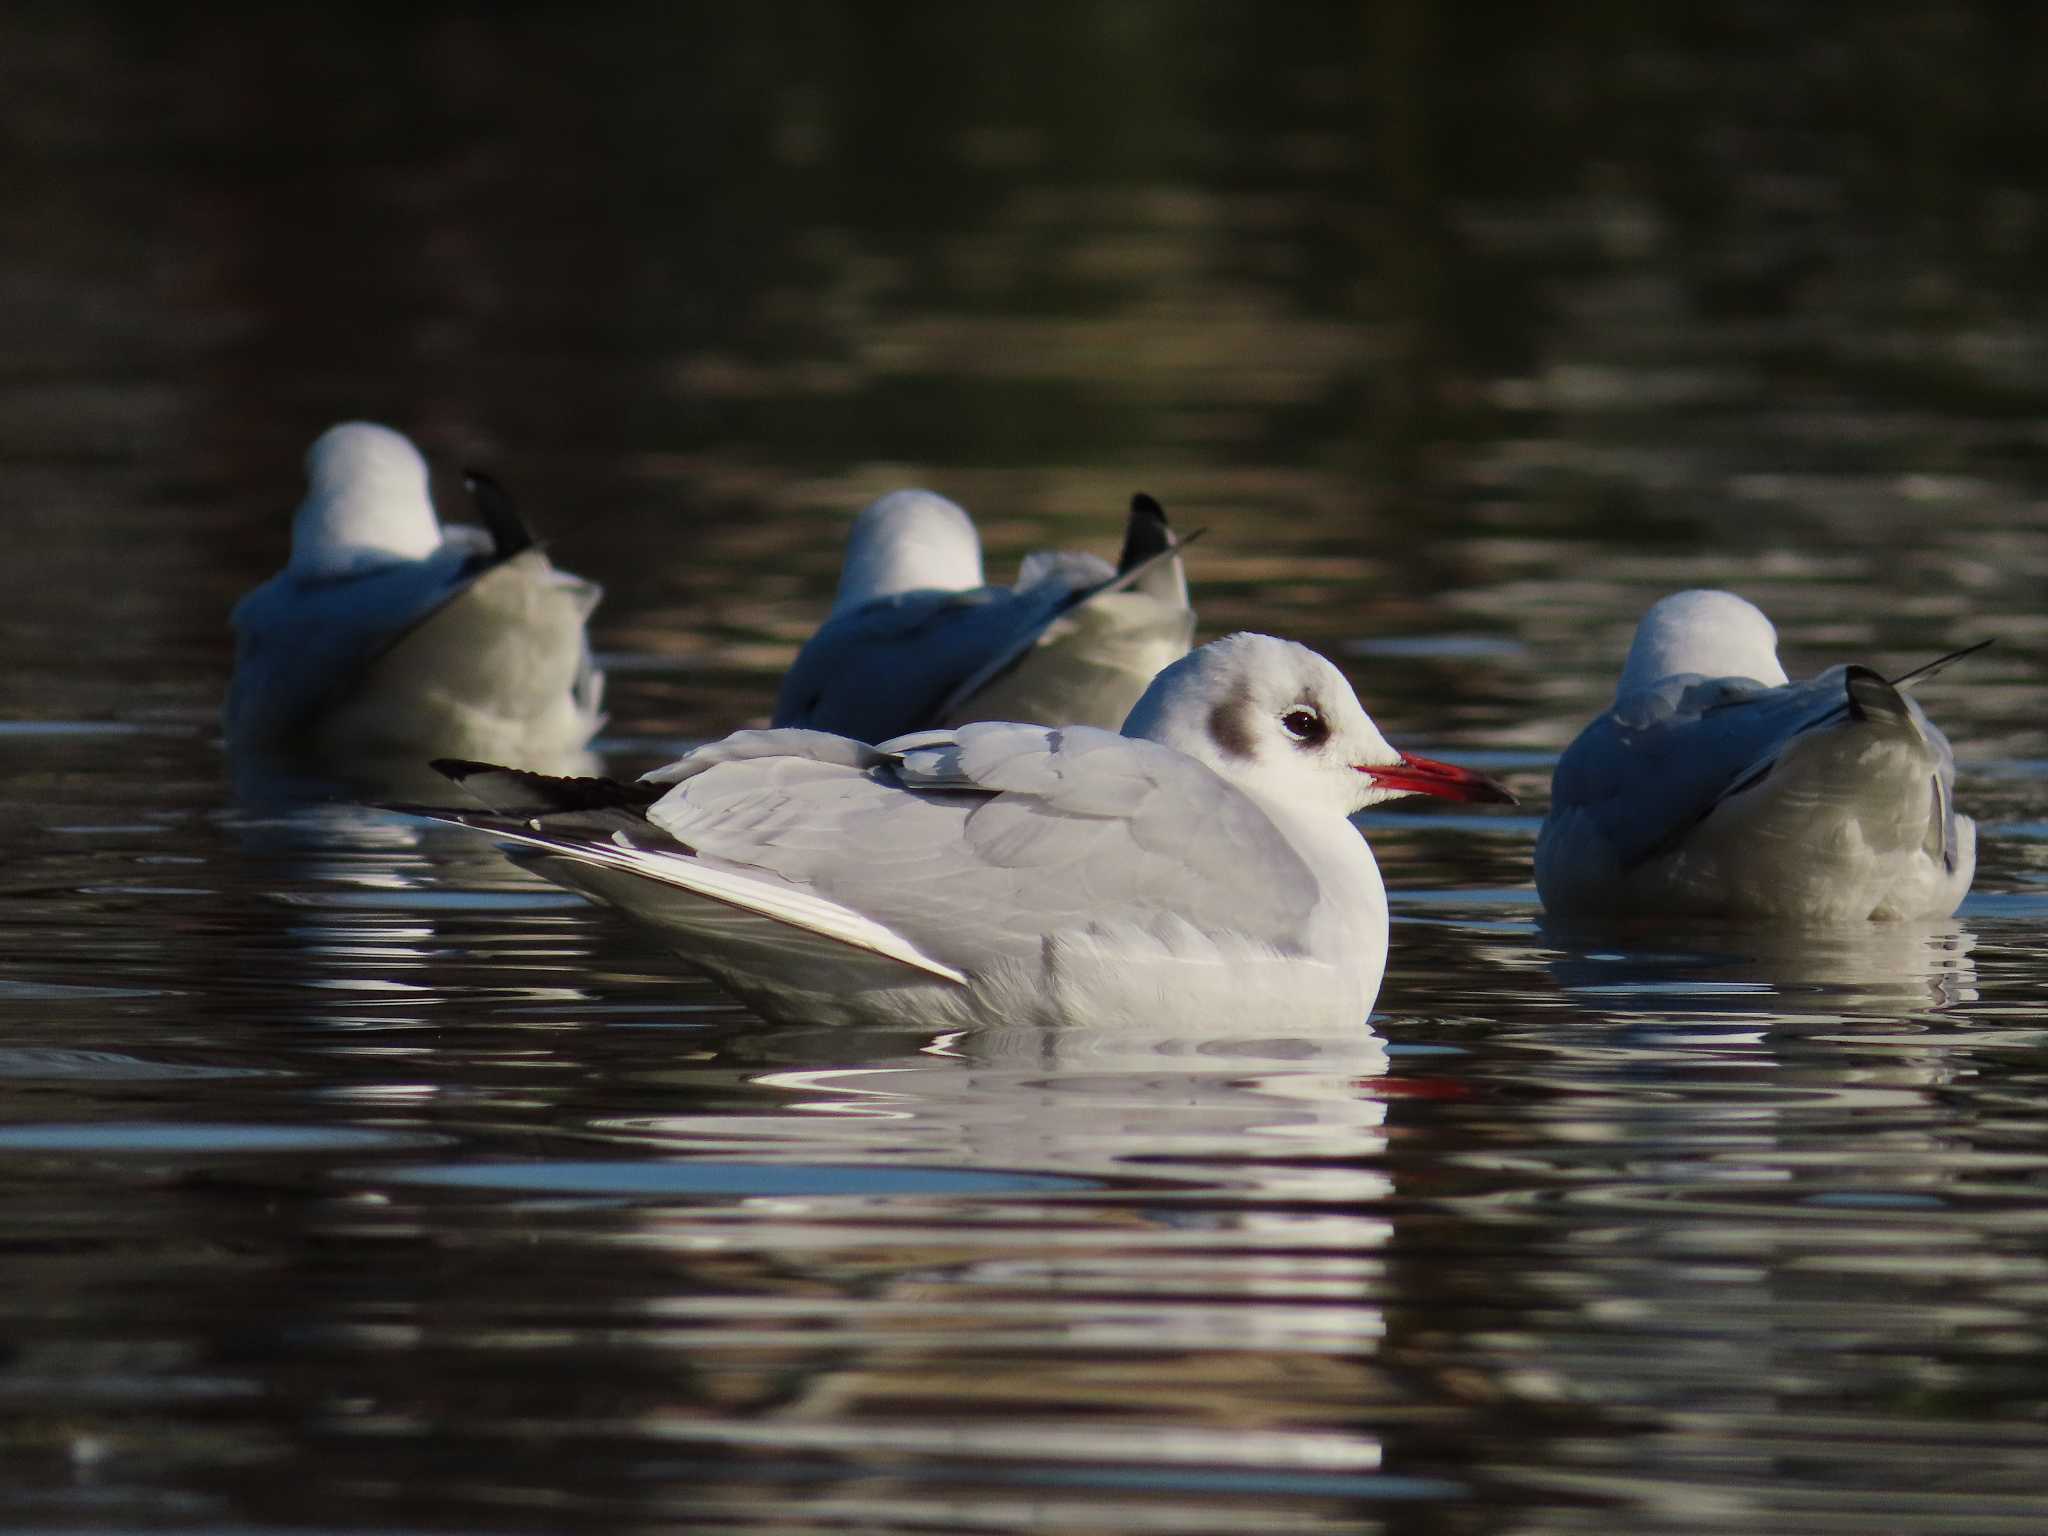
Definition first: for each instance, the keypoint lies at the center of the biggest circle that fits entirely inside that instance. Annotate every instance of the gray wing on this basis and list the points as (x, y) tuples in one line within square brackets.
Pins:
[(1156, 573), (301, 645), (1654, 767), (973, 845), (593, 835), (888, 666), (304, 648), (1877, 704)]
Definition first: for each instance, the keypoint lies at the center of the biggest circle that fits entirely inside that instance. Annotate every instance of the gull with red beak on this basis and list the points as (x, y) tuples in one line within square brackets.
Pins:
[(1199, 864)]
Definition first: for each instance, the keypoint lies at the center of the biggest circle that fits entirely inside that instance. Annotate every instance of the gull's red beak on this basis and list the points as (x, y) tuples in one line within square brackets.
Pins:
[(1426, 776)]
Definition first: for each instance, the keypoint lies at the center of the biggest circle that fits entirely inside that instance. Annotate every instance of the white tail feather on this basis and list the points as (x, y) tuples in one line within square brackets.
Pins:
[(779, 903)]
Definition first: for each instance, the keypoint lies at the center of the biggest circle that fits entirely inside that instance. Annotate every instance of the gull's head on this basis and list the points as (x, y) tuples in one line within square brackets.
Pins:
[(1711, 634), (366, 503), (1279, 721), (908, 541)]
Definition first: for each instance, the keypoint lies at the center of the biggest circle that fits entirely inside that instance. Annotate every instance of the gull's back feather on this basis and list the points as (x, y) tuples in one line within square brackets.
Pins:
[(1656, 764), (301, 644), (950, 841), (1073, 642), (890, 665), (920, 862), (1829, 798)]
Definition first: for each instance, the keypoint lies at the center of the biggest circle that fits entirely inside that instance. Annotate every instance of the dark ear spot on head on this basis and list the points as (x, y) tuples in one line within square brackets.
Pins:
[(1230, 727)]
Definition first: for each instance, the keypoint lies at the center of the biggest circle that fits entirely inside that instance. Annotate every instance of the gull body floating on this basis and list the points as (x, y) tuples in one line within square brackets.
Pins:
[(1199, 865), (916, 638), (1715, 786), (389, 639)]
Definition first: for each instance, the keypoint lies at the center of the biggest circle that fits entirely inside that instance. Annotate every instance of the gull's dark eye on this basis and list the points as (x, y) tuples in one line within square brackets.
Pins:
[(1308, 728)]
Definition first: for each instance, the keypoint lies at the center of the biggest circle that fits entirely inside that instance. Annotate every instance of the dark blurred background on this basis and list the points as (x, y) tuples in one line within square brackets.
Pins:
[(1473, 316)]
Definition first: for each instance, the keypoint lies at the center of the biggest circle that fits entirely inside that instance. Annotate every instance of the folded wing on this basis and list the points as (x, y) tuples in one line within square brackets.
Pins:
[(919, 659), (1150, 569), (887, 666), (301, 645), (1654, 767), (948, 851)]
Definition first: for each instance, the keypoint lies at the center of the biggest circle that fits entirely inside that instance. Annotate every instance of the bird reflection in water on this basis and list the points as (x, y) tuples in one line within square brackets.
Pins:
[(1781, 974)]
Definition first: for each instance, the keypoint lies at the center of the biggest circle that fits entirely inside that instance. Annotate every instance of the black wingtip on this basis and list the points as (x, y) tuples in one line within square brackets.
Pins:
[(1872, 698), (521, 791), (1928, 669), (459, 768), (509, 534), (1145, 533)]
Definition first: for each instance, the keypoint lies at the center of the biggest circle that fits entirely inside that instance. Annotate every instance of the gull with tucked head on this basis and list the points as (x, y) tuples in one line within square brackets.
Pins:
[(389, 639), (1199, 862), (1715, 787), (917, 639)]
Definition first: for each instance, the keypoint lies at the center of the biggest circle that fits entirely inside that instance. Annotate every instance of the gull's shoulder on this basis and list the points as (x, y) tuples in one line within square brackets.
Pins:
[(886, 666), (1661, 756)]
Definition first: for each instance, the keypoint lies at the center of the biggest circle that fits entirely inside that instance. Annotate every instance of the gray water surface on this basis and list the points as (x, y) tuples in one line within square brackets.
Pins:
[(352, 1179)]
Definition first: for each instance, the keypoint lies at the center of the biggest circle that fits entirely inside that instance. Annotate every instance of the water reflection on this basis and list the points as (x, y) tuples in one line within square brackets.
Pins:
[(1162, 1097), (277, 777), (1266, 1113), (1772, 973), (1195, 1208)]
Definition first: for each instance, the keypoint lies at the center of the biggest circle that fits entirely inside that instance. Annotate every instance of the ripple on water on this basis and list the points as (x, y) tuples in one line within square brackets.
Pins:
[(699, 1176), (147, 1136), (31, 729), (64, 992), (44, 1062)]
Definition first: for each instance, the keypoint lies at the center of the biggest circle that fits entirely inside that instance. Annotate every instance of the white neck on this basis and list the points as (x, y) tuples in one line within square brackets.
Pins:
[(1349, 925), (908, 541)]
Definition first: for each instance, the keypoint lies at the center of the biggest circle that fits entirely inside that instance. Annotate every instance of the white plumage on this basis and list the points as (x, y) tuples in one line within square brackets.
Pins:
[(1714, 786), (388, 637), (1198, 864), (916, 639)]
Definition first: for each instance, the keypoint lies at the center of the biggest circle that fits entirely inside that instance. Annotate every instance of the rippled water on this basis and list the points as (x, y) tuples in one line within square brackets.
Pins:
[(352, 1179)]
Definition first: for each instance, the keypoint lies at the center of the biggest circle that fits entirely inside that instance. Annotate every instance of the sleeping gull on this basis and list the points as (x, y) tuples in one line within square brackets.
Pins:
[(1714, 786), (916, 639), (389, 637), (1198, 865)]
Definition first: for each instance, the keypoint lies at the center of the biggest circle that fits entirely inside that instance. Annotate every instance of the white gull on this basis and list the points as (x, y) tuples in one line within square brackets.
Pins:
[(1714, 786), (917, 640), (1197, 866), (389, 636)]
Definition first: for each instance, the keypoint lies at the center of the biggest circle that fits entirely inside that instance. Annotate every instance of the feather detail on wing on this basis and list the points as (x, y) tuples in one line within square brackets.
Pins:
[(1658, 763), (510, 791), (299, 645), (1157, 564), (901, 662), (945, 851), (782, 741), (935, 840), (675, 866), (1666, 757), (887, 666)]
